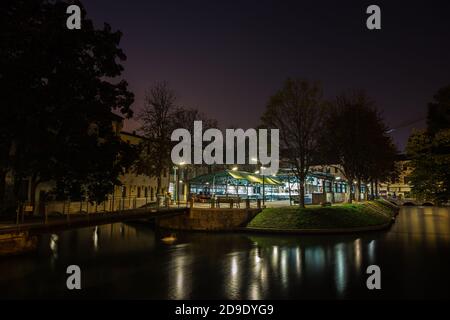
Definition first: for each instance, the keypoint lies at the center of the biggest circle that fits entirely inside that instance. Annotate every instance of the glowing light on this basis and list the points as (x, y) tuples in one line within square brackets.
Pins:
[(95, 238), (234, 266), (54, 244)]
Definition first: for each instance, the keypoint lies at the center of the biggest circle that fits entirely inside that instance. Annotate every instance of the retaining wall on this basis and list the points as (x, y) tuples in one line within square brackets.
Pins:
[(209, 219)]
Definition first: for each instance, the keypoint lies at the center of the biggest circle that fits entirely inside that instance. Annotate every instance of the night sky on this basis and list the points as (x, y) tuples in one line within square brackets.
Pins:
[(227, 58)]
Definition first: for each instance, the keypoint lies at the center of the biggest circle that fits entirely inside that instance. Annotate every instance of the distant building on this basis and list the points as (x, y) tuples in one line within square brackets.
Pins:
[(400, 187), (136, 189)]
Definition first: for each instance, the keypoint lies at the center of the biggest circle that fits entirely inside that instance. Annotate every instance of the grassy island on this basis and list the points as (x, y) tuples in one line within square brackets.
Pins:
[(338, 216)]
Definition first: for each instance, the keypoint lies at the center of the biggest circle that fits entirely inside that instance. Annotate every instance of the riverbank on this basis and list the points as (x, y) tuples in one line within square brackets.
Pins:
[(61, 222), (340, 218)]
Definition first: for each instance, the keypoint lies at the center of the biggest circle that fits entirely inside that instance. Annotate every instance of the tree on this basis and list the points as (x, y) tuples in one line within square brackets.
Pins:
[(184, 117), (355, 138), (58, 99), (438, 115), (157, 117), (297, 110), (160, 116), (429, 151)]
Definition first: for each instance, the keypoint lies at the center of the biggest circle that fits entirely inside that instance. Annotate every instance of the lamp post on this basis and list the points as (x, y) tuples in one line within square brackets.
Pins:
[(175, 184), (178, 182)]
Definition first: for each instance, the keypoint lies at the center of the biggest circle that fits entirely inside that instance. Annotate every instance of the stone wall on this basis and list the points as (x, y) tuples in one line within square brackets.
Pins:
[(209, 219)]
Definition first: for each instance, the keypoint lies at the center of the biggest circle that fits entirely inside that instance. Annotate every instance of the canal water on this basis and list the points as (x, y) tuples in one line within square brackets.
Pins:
[(131, 261)]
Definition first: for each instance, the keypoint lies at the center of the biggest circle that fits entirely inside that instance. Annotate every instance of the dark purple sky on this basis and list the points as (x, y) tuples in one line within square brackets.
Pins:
[(226, 57)]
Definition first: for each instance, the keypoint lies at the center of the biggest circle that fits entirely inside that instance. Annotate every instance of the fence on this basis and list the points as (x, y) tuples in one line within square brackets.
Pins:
[(111, 204)]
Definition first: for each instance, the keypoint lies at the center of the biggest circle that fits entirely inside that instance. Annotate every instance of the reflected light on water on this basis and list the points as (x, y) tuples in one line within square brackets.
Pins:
[(255, 291), (95, 238), (340, 270), (275, 257), (234, 281), (181, 273), (284, 268), (54, 245), (298, 261), (358, 249), (371, 251)]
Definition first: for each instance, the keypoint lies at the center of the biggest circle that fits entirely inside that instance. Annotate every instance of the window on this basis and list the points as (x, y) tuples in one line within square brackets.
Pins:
[(124, 192), (138, 192)]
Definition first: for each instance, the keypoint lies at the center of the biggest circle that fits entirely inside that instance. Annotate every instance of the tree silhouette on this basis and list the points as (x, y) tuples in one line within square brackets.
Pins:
[(355, 138), (60, 87), (297, 111)]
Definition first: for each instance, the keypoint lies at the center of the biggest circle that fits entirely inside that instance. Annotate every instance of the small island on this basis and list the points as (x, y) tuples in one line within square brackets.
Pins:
[(365, 216)]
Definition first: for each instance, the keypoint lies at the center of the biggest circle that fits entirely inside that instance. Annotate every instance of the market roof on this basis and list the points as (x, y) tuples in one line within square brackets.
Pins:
[(285, 173), (234, 177)]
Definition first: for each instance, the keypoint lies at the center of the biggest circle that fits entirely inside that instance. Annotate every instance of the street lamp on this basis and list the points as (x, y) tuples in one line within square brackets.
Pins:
[(175, 184), (178, 182)]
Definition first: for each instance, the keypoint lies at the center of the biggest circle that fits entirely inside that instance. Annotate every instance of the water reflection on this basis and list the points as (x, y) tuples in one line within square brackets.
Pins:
[(54, 249), (95, 238), (180, 273), (130, 260)]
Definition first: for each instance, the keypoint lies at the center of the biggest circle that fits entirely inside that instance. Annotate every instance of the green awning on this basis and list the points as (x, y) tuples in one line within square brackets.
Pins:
[(234, 178)]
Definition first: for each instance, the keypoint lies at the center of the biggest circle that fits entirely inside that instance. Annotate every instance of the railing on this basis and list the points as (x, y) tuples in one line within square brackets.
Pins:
[(68, 207), (85, 206), (226, 202)]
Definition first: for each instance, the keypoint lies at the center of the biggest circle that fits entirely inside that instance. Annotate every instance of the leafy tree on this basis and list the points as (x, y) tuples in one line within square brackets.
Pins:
[(59, 90), (297, 110), (438, 116), (429, 151)]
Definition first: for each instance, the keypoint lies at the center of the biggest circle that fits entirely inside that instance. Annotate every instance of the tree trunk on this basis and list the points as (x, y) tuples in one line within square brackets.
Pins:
[(372, 194), (158, 185), (358, 190), (333, 200), (376, 188), (324, 193), (349, 190), (301, 195)]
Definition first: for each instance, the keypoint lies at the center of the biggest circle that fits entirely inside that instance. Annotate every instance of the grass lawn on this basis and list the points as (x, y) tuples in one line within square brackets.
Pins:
[(364, 214)]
